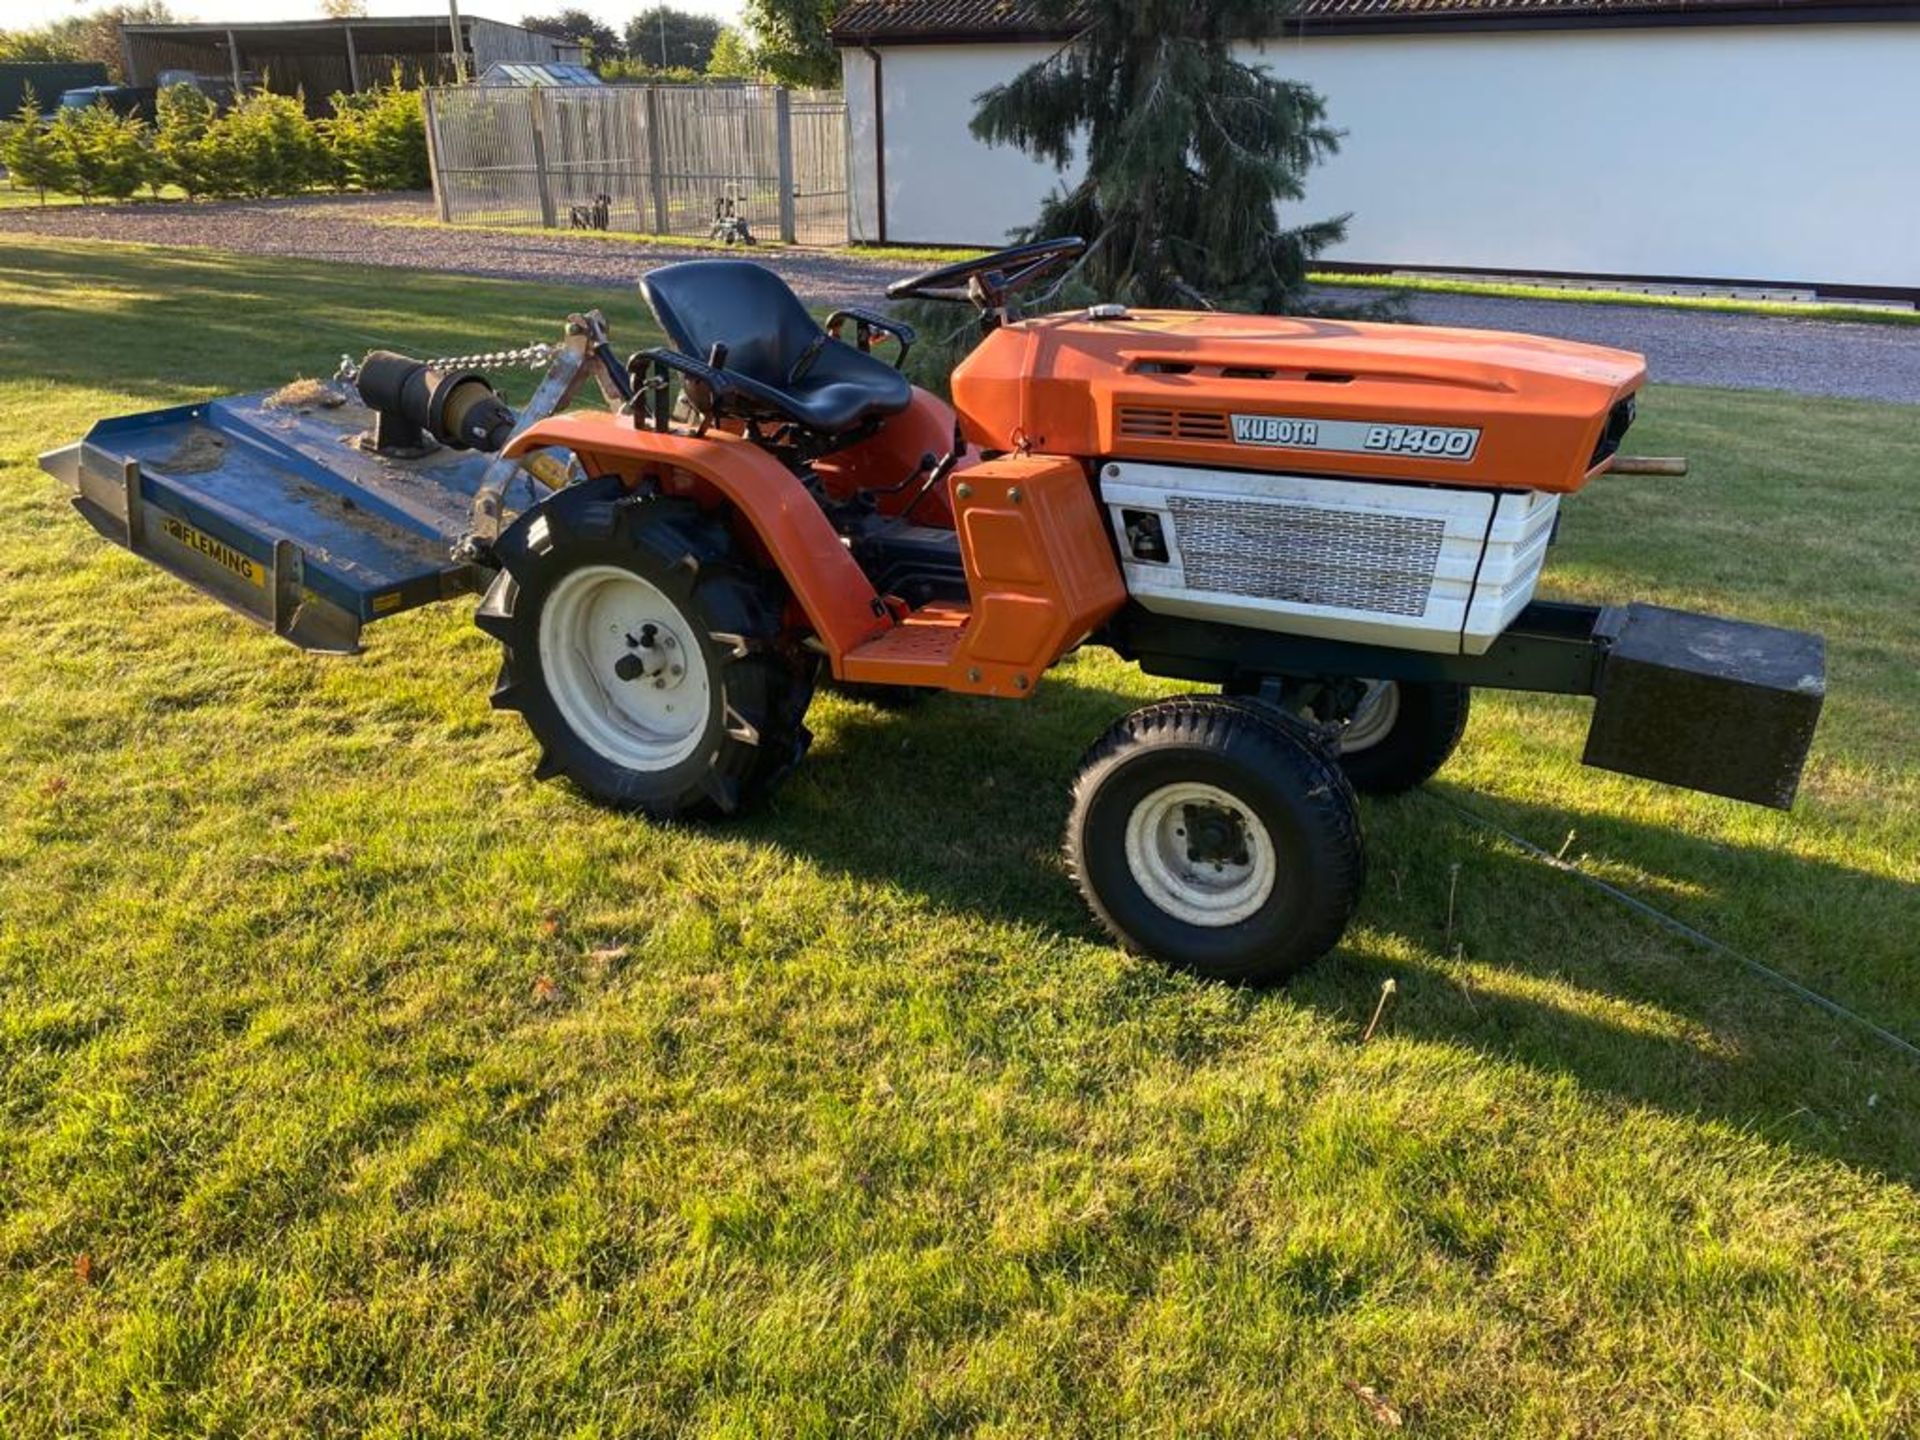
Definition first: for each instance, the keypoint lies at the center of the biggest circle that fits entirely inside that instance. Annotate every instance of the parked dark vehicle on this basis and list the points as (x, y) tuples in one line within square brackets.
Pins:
[(135, 100), (217, 88)]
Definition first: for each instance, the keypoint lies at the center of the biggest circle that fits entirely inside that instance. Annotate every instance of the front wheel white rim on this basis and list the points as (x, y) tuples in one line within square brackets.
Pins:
[(1200, 854), (1373, 718), (624, 668)]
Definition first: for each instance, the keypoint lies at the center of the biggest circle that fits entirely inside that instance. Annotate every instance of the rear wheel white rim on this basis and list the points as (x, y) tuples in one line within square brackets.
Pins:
[(1214, 889), (624, 668), (1373, 718)]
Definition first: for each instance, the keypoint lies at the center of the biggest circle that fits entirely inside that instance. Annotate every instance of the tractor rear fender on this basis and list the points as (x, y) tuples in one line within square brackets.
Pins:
[(835, 595), (884, 465)]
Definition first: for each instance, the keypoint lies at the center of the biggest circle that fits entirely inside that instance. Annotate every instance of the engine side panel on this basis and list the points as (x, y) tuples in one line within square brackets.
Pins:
[(1423, 568)]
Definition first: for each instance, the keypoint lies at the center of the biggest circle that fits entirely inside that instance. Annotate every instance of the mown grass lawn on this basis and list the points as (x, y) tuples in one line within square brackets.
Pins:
[(13, 197), (1598, 294), (353, 1083)]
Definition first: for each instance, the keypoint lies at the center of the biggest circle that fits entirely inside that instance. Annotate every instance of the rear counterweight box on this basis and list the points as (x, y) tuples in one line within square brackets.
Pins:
[(1716, 705)]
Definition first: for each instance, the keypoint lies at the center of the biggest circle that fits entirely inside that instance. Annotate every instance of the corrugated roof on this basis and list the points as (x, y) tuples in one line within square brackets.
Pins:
[(865, 21), (943, 19), (539, 74)]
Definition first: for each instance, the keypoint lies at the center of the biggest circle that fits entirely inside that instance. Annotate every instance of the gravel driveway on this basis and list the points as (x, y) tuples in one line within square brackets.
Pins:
[(1696, 347), (1810, 357), (347, 228)]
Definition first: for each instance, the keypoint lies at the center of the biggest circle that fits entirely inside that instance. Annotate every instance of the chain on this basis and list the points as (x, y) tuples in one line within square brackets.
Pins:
[(535, 356)]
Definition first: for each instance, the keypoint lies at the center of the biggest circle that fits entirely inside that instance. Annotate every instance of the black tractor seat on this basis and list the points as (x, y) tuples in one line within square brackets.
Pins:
[(778, 361)]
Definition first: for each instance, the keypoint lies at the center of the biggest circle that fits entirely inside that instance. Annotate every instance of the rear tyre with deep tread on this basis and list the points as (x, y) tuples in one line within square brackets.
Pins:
[(1218, 837), (600, 588)]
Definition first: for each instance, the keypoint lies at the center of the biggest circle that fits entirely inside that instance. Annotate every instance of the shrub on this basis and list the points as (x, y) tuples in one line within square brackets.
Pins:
[(640, 72), (265, 145), (379, 138), (106, 153), (272, 145), (33, 156), (189, 149)]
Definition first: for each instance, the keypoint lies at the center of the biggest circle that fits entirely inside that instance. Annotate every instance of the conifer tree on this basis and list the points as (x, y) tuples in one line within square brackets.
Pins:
[(106, 153), (1189, 151), (182, 150), (34, 157)]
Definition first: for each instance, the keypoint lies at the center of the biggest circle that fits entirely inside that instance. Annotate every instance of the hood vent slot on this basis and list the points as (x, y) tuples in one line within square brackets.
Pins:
[(1151, 422)]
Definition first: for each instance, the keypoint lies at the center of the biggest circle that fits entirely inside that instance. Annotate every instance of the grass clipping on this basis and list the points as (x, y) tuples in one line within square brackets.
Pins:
[(305, 394)]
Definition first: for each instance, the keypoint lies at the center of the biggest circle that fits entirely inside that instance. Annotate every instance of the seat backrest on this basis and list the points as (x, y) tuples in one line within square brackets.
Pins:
[(746, 307)]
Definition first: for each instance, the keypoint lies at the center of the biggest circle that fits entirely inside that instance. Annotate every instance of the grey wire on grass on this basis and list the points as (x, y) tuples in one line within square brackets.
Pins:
[(1684, 930)]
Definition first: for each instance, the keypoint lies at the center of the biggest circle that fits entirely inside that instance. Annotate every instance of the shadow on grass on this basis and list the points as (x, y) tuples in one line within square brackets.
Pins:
[(963, 803)]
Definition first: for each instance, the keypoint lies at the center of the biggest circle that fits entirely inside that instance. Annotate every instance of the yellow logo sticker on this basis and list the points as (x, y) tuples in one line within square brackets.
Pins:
[(247, 568)]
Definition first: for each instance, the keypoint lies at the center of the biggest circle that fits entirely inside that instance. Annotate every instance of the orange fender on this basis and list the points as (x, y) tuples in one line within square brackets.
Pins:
[(880, 463), (834, 593)]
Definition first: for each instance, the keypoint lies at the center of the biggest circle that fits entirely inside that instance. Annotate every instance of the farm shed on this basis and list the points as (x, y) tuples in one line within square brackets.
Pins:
[(318, 57), (47, 79), (1719, 141)]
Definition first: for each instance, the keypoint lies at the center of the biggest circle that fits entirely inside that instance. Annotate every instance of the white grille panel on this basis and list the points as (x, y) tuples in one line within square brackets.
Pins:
[(1307, 555), (1416, 566)]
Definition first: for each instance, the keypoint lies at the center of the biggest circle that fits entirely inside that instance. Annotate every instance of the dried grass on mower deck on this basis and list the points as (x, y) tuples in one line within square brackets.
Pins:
[(865, 1125), (305, 392)]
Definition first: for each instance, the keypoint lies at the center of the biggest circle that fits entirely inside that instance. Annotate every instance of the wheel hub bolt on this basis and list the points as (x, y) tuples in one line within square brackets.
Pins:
[(1214, 837)]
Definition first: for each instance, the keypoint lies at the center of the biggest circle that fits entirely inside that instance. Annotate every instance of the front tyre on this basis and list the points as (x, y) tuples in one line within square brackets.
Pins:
[(1217, 837), (1401, 732), (1391, 735), (645, 654)]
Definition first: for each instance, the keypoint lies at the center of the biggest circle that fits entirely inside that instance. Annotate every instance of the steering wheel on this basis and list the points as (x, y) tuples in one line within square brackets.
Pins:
[(992, 280)]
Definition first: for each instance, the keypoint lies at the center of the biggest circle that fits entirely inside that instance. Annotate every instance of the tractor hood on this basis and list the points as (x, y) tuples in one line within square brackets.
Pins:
[(1303, 395)]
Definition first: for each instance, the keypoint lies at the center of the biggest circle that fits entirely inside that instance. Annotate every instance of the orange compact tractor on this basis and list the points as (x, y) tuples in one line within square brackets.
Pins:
[(1336, 528)]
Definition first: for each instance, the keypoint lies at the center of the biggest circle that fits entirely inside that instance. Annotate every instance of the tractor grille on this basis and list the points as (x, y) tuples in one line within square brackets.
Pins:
[(1151, 422), (1619, 421), (1378, 562)]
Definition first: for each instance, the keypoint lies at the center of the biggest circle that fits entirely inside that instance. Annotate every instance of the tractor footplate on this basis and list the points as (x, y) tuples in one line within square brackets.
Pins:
[(274, 510)]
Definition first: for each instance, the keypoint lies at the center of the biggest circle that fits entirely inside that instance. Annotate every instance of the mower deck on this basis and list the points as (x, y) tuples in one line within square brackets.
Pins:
[(272, 508)]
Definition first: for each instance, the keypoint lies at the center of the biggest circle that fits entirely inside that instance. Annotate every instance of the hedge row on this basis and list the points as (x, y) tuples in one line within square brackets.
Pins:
[(264, 145)]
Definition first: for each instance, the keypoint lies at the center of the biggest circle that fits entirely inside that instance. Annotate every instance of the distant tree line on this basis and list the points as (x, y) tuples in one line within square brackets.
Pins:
[(94, 36), (784, 41), (265, 145)]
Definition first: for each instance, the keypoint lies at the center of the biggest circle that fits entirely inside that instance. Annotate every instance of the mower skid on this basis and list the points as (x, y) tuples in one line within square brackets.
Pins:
[(269, 508)]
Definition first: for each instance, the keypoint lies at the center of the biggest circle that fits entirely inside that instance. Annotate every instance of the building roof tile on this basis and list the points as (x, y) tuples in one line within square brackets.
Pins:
[(924, 21)]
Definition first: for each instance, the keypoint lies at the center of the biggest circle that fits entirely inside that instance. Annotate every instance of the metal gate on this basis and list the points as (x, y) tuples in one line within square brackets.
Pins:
[(662, 159)]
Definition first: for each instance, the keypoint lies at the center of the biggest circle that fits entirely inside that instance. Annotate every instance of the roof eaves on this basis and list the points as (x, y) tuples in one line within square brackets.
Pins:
[(936, 22)]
